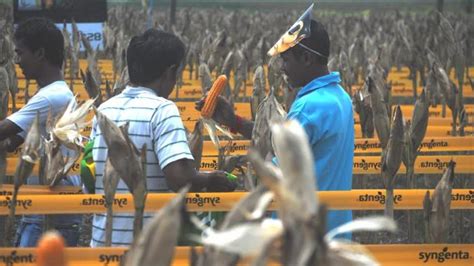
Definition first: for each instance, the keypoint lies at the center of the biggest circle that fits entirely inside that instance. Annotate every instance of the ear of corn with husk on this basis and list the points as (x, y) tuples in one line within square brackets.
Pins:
[(110, 182), (4, 85), (258, 93), (211, 98), (392, 158), (156, 245), (67, 128), (463, 120), (92, 86), (269, 111), (29, 157), (205, 78), (33, 142), (121, 83), (437, 208), (249, 209), (240, 72), (293, 184), (363, 108), (380, 114), (196, 142), (128, 162), (3, 113), (208, 110), (275, 74), (415, 133), (227, 66)]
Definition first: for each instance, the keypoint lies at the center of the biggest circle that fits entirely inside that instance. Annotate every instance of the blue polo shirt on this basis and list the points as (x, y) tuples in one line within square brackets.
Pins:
[(324, 110)]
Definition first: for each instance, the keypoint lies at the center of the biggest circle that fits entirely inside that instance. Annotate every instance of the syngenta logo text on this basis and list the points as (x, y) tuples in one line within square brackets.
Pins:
[(107, 259), (440, 165), (211, 165), (234, 147), (366, 166), (379, 197), (13, 259), (5, 193), (463, 197), (101, 202), (200, 201), (193, 92), (7, 202), (444, 255), (366, 146), (434, 144)]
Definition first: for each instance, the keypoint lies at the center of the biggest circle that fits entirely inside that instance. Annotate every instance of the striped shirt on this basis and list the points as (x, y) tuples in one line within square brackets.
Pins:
[(153, 121)]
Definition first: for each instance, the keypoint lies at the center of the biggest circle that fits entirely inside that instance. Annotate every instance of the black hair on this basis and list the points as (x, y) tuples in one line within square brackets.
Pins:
[(318, 41), (38, 32), (151, 53)]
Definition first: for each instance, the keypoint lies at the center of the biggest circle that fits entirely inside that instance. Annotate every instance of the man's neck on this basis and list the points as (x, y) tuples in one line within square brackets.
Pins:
[(48, 76), (319, 72), (152, 86), (156, 86), (316, 73)]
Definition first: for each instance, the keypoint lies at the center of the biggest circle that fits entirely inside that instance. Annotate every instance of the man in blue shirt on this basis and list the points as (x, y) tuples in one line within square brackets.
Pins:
[(321, 106)]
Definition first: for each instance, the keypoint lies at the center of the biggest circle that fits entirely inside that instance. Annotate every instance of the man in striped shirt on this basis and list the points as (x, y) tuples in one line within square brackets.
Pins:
[(153, 59)]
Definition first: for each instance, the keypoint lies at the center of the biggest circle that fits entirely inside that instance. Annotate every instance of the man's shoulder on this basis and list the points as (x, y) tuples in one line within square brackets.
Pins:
[(313, 101), (111, 102), (322, 103), (141, 102), (56, 93), (55, 88), (330, 95)]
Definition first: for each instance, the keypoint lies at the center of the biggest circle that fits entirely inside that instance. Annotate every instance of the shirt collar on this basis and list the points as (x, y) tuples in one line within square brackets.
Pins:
[(319, 82), (129, 90)]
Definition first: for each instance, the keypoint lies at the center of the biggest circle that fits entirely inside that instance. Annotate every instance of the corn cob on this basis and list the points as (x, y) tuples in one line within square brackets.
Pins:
[(50, 250), (211, 99)]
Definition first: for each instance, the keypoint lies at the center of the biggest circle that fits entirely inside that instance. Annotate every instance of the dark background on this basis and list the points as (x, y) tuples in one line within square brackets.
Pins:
[(66, 10)]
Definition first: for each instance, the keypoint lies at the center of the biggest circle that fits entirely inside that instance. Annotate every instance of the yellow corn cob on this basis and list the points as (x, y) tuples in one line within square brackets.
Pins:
[(211, 99), (50, 250)]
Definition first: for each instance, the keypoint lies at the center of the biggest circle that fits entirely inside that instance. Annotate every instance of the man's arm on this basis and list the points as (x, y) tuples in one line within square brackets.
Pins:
[(21, 120), (175, 158), (10, 144), (8, 129), (180, 173), (242, 126)]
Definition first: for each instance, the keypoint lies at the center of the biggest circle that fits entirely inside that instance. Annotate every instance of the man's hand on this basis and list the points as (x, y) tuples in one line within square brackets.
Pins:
[(224, 113), (180, 173), (10, 144), (8, 129), (218, 182)]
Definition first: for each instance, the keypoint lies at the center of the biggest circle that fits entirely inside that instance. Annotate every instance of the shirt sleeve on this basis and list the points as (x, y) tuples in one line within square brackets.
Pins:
[(26, 115), (169, 136)]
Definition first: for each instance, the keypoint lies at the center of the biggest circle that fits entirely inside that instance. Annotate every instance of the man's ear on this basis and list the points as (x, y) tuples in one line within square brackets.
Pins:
[(308, 58), (171, 72), (40, 54)]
